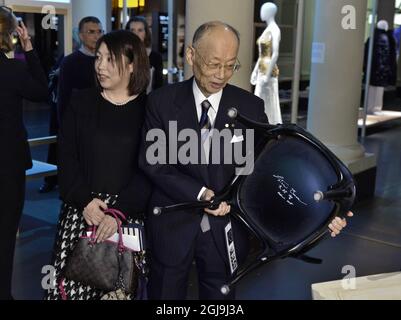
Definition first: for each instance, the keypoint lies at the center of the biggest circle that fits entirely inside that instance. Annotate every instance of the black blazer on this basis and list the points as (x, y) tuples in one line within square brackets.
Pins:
[(156, 61), (76, 156), (18, 81), (171, 235)]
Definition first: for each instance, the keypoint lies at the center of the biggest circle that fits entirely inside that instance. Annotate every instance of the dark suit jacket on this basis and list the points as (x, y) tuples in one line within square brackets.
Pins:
[(171, 235), (156, 61), (77, 72), (18, 81)]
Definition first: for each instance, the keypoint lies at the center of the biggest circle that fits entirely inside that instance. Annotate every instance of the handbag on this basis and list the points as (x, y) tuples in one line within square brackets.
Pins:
[(107, 266)]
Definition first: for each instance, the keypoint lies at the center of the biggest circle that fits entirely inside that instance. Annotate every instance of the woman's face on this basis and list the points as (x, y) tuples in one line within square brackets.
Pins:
[(107, 70), (138, 28)]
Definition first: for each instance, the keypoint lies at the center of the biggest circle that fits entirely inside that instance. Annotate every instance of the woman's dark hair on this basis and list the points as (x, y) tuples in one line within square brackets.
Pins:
[(8, 24), (124, 43), (148, 37)]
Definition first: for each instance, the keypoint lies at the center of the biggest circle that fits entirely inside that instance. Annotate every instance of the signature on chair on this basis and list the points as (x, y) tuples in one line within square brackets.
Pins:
[(286, 192)]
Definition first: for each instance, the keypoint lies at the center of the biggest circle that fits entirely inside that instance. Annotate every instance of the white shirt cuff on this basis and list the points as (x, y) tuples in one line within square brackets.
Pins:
[(200, 193)]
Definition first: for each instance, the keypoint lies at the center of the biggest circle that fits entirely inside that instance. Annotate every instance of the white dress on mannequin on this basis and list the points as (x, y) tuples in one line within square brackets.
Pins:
[(375, 100), (266, 72)]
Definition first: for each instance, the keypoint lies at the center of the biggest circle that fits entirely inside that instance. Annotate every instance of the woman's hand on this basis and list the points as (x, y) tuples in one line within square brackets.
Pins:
[(24, 37), (93, 212), (107, 227)]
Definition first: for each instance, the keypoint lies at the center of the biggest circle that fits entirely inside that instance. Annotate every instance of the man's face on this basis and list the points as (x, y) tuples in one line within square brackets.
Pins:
[(213, 60), (138, 28), (90, 33)]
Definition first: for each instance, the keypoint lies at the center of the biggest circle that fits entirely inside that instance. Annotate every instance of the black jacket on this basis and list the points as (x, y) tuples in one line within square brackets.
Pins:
[(18, 81), (77, 72), (156, 61), (76, 143)]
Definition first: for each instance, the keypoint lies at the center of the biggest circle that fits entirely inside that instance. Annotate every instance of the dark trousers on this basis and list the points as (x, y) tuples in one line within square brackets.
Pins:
[(170, 283), (12, 194), (52, 151)]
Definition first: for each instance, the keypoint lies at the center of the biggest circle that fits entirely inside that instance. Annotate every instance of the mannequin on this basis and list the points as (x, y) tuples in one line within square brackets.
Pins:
[(265, 75), (384, 66)]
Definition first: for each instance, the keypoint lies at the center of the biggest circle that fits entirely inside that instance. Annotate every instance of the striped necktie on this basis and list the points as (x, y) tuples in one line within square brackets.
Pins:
[(205, 126), (204, 121)]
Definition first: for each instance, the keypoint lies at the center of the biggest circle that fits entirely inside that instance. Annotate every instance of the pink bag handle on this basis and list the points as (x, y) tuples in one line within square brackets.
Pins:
[(116, 214)]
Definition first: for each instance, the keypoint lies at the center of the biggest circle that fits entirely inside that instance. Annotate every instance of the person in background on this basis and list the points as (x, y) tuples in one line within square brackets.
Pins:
[(76, 73), (52, 181), (19, 80), (140, 27)]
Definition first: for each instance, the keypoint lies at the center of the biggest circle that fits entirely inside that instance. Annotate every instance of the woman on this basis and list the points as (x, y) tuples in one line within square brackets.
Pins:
[(19, 80), (140, 27), (99, 144)]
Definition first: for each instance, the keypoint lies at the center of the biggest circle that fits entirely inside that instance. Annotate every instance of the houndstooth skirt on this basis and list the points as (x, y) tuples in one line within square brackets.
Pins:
[(71, 227)]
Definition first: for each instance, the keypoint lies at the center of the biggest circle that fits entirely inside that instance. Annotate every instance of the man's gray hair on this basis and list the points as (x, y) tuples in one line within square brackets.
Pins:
[(204, 28)]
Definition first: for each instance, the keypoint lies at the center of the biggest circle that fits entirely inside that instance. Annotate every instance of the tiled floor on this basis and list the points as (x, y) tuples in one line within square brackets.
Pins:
[(371, 243)]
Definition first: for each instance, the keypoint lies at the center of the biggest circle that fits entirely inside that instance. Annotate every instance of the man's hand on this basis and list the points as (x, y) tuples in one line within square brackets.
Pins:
[(107, 227), (223, 208), (338, 224), (93, 212), (207, 195)]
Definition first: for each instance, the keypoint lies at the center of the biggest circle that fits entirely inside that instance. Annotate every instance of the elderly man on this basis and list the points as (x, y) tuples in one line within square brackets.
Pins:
[(178, 238)]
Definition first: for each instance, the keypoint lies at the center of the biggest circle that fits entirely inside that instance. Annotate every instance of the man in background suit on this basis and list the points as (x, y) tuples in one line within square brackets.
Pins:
[(178, 238)]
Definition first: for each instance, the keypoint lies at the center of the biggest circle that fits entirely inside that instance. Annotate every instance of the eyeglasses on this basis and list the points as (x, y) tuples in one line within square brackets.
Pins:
[(93, 32), (217, 66)]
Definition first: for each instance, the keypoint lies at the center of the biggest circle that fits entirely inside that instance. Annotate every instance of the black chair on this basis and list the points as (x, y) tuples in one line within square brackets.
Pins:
[(297, 187)]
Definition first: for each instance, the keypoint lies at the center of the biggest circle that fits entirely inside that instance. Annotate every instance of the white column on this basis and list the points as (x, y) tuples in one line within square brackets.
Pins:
[(125, 13), (240, 15), (336, 78), (298, 61), (96, 8), (172, 38)]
